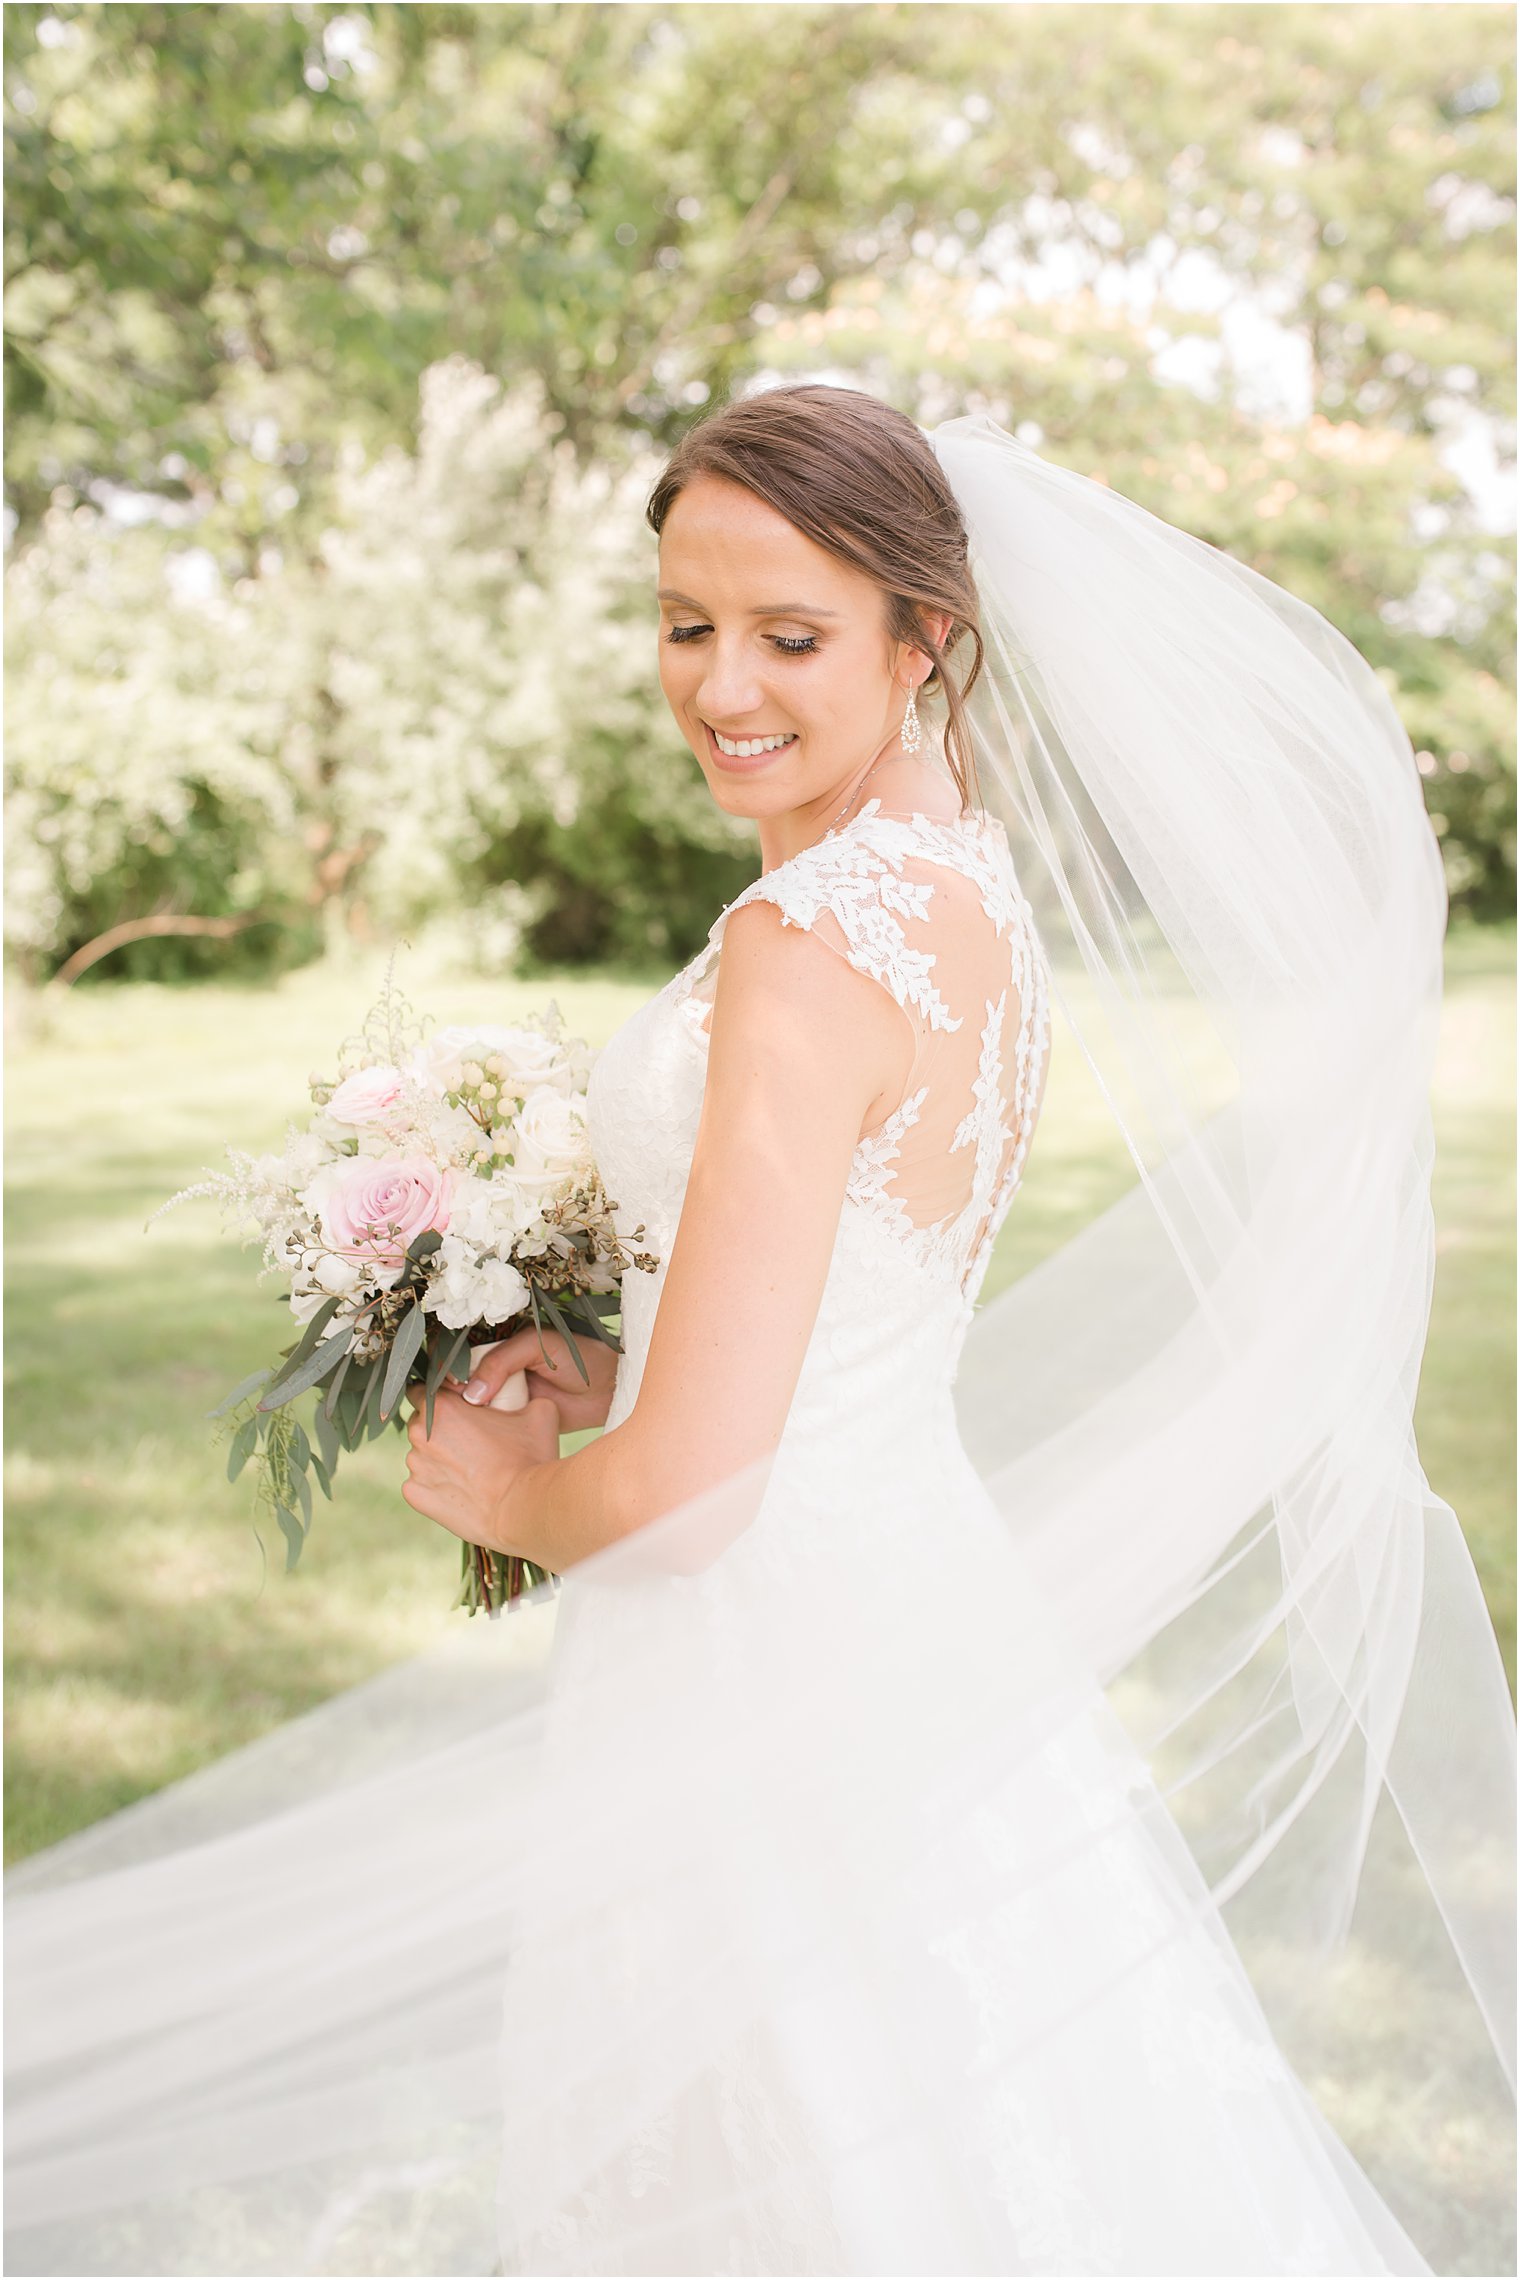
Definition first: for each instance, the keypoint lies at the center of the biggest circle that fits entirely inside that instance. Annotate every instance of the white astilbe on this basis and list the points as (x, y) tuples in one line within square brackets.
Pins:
[(264, 1191)]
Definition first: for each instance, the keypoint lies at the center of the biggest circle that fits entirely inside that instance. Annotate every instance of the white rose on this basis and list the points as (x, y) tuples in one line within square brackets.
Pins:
[(550, 1142), (314, 1196), (333, 1137), (530, 1059), (368, 1097)]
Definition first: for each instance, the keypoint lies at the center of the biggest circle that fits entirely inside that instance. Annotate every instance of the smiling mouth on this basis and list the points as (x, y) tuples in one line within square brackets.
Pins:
[(748, 747)]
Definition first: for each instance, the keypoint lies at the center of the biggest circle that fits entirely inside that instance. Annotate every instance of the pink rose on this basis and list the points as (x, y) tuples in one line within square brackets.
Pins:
[(365, 1098), (371, 1208)]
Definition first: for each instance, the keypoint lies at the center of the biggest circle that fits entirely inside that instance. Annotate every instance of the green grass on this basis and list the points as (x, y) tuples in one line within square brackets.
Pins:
[(1465, 1413), (144, 1637)]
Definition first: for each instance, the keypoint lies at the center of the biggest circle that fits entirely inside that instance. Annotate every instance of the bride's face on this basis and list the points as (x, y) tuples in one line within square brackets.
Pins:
[(766, 639)]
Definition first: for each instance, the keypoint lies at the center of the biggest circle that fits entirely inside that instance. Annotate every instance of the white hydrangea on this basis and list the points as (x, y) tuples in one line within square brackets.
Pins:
[(470, 1288), (492, 1213)]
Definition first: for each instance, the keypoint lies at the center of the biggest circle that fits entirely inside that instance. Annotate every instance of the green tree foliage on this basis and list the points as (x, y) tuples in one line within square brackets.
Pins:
[(240, 241), (450, 705), (152, 757), (494, 720)]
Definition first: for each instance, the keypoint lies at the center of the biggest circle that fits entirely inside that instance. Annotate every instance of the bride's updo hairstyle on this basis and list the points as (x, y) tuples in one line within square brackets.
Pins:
[(862, 481)]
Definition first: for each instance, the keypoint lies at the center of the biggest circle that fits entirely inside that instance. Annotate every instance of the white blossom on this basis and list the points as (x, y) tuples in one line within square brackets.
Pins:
[(469, 1289), (551, 1141)]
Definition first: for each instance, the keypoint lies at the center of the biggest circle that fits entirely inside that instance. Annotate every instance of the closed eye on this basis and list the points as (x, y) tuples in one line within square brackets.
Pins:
[(789, 645)]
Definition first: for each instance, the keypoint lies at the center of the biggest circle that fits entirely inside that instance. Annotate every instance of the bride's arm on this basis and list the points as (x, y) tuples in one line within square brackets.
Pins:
[(804, 1053)]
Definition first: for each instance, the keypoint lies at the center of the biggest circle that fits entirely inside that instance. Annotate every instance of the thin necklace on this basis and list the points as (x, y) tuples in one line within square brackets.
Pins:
[(854, 796)]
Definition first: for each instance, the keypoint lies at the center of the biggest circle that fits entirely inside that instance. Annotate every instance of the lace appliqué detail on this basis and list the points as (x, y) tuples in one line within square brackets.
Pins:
[(857, 881), (1031, 1051), (874, 1161)]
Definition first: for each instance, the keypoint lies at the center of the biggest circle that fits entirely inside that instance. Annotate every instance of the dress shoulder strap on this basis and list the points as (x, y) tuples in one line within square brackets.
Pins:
[(864, 891)]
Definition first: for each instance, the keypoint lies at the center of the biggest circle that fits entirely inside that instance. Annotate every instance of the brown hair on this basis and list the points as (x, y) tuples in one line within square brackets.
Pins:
[(862, 481)]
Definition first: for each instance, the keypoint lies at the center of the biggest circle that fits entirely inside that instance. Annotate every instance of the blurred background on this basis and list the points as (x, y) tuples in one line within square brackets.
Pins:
[(343, 344)]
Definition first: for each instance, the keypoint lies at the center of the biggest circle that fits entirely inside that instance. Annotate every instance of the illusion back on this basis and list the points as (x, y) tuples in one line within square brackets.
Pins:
[(932, 911)]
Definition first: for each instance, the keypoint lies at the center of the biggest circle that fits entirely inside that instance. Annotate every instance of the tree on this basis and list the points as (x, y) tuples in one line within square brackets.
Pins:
[(238, 238)]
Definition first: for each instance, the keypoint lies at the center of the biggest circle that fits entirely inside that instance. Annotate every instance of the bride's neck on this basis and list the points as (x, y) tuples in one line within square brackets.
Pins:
[(922, 786)]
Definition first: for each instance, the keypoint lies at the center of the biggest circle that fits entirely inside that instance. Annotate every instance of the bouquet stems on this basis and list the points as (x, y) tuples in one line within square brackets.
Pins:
[(494, 1580)]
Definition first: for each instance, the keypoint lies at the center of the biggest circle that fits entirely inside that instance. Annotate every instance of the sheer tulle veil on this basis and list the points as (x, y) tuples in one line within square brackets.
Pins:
[(1219, 819), (263, 2012)]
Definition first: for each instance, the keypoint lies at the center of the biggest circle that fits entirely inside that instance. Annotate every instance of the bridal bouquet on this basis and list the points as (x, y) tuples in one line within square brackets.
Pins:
[(441, 1195)]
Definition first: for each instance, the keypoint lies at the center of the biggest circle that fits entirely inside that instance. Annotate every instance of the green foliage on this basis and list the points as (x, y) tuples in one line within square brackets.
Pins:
[(150, 754), (495, 723), (386, 313)]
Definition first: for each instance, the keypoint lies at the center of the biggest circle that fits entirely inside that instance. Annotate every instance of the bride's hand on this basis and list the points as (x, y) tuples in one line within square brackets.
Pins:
[(462, 1473), (551, 1371)]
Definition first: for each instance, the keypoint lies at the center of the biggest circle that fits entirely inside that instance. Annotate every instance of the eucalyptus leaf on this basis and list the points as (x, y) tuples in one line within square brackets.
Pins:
[(239, 1393), (565, 1331), (374, 1406), (404, 1351), (244, 1442), (445, 1349), (349, 1416), (322, 1425), (324, 1477), (597, 1325), (290, 1529), (312, 1370), (308, 1344), (327, 1405)]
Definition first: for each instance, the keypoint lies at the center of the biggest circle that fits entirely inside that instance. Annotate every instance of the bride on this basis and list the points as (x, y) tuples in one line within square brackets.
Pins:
[(1018, 1788)]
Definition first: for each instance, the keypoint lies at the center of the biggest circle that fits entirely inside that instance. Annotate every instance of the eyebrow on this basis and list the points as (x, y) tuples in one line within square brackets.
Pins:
[(766, 609)]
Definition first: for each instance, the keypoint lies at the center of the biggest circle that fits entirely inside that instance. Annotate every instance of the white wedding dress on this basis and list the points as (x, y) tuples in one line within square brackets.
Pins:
[(819, 1917), (892, 2081)]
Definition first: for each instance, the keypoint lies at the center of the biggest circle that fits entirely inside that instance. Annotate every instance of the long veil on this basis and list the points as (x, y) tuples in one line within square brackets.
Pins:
[(1219, 818), (257, 2025)]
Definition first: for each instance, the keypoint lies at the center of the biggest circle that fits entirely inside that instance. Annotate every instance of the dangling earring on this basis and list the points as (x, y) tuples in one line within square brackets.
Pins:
[(912, 731)]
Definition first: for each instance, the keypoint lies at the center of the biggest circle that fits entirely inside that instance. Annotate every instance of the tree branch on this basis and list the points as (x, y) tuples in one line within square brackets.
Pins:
[(137, 930)]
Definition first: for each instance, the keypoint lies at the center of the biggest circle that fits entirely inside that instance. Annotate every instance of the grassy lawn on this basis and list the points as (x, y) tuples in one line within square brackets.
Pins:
[(143, 1636)]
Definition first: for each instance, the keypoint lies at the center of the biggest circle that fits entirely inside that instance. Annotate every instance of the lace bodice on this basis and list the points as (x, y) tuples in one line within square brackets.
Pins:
[(932, 911)]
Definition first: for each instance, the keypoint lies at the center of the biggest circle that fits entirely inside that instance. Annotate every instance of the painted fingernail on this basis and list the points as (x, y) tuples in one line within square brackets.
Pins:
[(477, 1392)]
